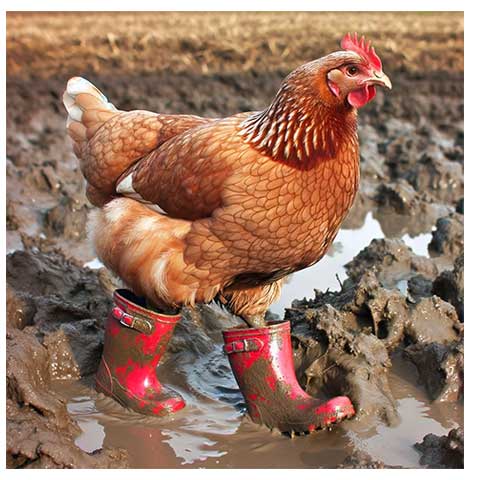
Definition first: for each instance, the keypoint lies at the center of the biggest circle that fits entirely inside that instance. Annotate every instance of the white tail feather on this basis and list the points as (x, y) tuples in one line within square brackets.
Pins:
[(76, 86)]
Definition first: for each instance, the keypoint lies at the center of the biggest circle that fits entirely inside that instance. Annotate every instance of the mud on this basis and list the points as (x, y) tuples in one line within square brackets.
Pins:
[(345, 337), (440, 368), (447, 239), (362, 460), (391, 336), (40, 433), (442, 452), (52, 334), (449, 286)]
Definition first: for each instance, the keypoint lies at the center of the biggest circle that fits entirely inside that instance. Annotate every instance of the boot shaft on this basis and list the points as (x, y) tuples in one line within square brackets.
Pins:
[(135, 340), (135, 333), (262, 362), (268, 347)]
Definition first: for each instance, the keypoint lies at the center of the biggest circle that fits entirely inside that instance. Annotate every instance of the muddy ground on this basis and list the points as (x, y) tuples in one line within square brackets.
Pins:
[(397, 318)]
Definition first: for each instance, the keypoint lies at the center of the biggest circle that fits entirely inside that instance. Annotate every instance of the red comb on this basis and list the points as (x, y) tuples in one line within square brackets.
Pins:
[(363, 48)]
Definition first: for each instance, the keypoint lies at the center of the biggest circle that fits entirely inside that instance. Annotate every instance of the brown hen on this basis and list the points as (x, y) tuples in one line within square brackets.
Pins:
[(191, 209)]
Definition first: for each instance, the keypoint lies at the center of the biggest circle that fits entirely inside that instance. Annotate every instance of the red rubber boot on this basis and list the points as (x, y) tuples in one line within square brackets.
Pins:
[(262, 362), (135, 340)]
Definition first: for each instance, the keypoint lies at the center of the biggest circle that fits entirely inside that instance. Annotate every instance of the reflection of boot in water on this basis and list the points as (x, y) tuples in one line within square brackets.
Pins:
[(262, 362), (135, 340)]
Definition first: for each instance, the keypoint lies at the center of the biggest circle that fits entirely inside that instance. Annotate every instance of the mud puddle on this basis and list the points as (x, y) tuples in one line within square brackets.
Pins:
[(213, 431), (418, 417)]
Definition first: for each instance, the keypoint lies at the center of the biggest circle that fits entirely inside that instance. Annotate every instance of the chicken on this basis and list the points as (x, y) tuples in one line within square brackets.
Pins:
[(192, 209)]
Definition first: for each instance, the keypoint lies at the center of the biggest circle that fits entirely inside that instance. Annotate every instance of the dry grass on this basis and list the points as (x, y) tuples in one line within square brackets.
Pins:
[(48, 44)]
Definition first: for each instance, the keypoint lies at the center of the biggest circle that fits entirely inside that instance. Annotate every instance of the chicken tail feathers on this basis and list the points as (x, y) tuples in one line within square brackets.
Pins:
[(88, 109)]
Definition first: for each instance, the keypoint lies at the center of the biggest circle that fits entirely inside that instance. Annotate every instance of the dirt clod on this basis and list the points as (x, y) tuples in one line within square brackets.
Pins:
[(440, 369), (447, 239), (449, 286), (442, 452)]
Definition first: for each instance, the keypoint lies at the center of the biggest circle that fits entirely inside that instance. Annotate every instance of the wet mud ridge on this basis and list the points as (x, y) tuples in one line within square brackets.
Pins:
[(344, 339), (389, 333), (55, 313)]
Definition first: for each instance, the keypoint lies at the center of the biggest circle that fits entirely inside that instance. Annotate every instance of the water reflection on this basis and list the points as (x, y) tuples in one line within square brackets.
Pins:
[(82, 408)]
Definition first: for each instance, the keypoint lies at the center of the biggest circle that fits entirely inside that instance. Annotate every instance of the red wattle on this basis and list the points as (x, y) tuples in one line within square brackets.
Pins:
[(371, 92), (358, 98)]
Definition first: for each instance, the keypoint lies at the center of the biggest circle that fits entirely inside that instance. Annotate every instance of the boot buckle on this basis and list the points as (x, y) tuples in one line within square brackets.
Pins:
[(130, 321), (245, 345)]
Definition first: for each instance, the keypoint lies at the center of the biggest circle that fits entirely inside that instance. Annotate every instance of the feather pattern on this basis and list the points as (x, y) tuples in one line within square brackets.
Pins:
[(298, 128), (242, 201)]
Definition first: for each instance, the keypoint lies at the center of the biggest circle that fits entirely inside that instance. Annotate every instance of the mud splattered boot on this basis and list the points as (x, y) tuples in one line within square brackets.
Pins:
[(262, 362), (135, 340)]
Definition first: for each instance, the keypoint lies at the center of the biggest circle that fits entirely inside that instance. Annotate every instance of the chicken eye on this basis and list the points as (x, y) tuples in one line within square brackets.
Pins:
[(352, 70)]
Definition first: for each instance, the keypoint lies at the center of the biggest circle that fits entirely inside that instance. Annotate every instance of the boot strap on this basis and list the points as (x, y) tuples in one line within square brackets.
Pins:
[(132, 321), (245, 345)]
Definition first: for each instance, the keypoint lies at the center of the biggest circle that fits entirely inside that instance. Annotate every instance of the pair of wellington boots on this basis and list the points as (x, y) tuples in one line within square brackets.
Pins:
[(261, 359)]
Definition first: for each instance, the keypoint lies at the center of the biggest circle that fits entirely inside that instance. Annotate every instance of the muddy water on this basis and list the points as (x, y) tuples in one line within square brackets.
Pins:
[(213, 431), (418, 417)]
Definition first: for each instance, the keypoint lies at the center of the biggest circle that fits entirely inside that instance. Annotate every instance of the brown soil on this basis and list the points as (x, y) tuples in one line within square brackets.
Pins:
[(392, 335), (442, 452)]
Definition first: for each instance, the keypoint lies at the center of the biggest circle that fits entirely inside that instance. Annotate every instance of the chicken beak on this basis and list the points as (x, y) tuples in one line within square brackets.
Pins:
[(379, 78)]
